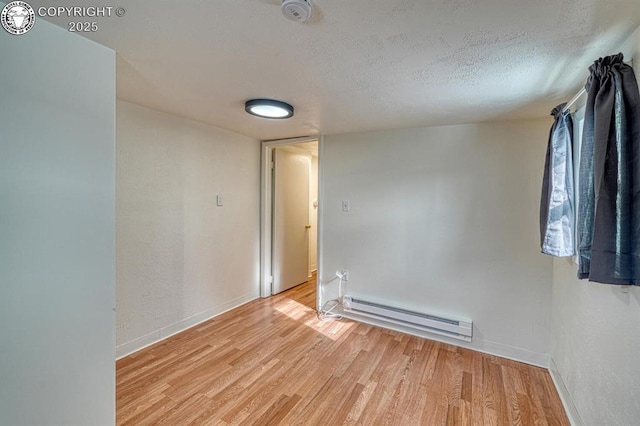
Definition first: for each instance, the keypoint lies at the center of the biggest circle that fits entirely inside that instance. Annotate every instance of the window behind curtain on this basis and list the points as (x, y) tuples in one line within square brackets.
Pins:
[(578, 121)]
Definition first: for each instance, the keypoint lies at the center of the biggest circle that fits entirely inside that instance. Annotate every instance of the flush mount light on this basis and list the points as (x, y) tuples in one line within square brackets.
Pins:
[(268, 108)]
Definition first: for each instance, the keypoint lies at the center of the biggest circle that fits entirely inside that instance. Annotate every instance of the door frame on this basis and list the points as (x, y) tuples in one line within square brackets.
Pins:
[(266, 205)]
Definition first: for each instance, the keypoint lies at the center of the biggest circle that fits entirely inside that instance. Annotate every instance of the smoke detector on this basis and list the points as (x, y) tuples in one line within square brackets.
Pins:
[(297, 10)]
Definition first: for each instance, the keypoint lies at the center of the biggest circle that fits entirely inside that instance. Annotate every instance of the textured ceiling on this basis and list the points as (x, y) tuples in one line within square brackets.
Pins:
[(358, 65)]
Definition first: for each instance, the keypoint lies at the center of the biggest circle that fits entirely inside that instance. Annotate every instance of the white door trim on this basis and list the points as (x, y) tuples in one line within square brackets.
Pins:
[(319, 276), (266, 203)]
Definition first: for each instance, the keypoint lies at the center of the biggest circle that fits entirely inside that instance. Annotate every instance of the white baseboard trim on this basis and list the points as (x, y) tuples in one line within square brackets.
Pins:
[(511, 352), (149, 339), (491, 348), (565, 396)]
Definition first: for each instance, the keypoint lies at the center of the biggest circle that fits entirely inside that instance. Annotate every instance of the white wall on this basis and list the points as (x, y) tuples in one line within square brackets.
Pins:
[(180, 258), (595, 347), (595, 340), (57, 229), (444, 220)]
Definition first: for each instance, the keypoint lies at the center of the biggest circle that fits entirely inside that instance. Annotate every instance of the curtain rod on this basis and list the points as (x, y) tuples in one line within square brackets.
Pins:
[(573, 100), (583, 91)]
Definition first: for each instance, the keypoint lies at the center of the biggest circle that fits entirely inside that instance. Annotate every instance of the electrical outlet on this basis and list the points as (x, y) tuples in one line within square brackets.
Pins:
[(343, 274), (346, 205)]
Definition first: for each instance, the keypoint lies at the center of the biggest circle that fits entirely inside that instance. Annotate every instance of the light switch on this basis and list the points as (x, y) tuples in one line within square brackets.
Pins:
[(346, 205), (219, 201)]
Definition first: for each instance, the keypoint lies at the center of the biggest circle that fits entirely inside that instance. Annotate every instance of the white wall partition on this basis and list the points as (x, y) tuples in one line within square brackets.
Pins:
[(182, 258), (444, 220), (57, 229)]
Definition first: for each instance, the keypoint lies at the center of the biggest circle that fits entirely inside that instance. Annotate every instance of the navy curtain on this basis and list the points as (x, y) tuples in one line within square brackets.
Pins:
[(609, 193), (556, 204)]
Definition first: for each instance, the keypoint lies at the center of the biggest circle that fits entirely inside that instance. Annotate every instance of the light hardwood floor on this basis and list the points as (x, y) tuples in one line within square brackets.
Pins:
[(272, 362)]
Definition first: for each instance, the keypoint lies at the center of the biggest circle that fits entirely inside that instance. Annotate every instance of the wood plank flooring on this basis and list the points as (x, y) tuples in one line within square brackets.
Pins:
[(273, 362)]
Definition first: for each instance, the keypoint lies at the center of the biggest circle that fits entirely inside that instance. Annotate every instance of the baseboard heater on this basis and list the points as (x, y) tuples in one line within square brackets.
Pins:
[(458, 329)]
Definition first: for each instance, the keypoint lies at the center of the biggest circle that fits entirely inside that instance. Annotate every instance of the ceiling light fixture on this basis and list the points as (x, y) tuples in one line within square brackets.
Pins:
[(268, 108)]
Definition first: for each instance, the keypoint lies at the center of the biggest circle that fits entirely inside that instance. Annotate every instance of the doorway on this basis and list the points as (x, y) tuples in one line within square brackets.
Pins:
[(289, 216)]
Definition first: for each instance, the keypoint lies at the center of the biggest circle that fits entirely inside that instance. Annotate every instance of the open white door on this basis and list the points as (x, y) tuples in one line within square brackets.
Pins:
[(290, 219)]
